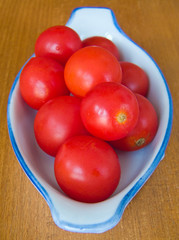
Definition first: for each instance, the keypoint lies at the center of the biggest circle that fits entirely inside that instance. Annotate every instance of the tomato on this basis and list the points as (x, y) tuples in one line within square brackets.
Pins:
[(56, 121), (144, 131), (102, 42), (109, 111), (90, 66), (87, 169), (41, 80), (134, 78), (58, 42)]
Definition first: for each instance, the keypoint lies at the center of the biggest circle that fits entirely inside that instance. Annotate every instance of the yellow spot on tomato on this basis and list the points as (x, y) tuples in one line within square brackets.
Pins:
[(140, 142), (121, 117)]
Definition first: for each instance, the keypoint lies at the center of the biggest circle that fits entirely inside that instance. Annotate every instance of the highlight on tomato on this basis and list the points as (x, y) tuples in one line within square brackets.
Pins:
[(58, 42), (145, 130), (90, 66), (87, 169), (42, 79), (109, 111), (56, 121)]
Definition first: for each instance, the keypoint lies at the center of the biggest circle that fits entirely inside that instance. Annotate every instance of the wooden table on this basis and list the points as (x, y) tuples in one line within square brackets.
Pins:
[(153, 213)]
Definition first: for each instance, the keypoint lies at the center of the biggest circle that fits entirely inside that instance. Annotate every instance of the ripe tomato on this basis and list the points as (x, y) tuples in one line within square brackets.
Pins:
[(134, 78), (87, 169), (56, 121), (109, 111), (89, 66), (144, 131), (41, 80), (102, 42), (58, 42)]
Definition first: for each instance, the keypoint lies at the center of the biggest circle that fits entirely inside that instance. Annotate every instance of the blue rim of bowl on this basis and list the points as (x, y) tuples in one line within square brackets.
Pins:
[(110, 223)]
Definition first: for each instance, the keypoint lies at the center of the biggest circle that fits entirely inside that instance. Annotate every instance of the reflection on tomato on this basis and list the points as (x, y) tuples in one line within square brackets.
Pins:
[(58, 42), (90, 66), (109, 111), (56, 121), (87, 169), (41, 80)]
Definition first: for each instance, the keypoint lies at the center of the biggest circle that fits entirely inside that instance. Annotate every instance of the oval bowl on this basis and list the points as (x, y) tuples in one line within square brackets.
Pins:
[(136, 167)]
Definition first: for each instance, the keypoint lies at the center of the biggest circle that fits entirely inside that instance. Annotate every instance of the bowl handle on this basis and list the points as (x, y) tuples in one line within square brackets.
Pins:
[(85, 21)]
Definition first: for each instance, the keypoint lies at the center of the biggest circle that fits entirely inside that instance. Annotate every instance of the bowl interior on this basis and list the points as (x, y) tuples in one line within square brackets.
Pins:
[(132, 163)]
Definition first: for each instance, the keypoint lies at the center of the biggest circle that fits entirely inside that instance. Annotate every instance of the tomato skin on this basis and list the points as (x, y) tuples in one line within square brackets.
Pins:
[(56, 121), (58, 42), (41, 80), (102, 42), (134, 78), (144, 131), (109, 111), (90, 66), (87, 169)]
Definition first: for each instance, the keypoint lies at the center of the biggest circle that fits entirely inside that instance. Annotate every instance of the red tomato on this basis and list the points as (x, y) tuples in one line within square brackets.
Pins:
[(87, 169), (58, 42), (41, 80), (134, 78), (109, 111), (102, 42), (56, 121), (89, 66), (144, 131)]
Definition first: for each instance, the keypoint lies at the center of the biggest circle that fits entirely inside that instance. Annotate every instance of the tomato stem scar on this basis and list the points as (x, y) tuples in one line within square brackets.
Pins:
[(140, 141), (121, 117)]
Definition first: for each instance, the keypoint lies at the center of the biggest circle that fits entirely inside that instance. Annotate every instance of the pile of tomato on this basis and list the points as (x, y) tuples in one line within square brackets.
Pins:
[(89, 103)]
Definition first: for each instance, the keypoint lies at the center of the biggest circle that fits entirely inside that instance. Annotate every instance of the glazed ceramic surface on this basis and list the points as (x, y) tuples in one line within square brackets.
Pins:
[(136, 167)]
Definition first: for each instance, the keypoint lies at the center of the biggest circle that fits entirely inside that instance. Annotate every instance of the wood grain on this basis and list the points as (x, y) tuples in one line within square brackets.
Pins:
[(153, 213)]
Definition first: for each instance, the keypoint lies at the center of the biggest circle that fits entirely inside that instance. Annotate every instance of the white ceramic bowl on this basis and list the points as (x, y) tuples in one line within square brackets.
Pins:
[(136, 166)]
